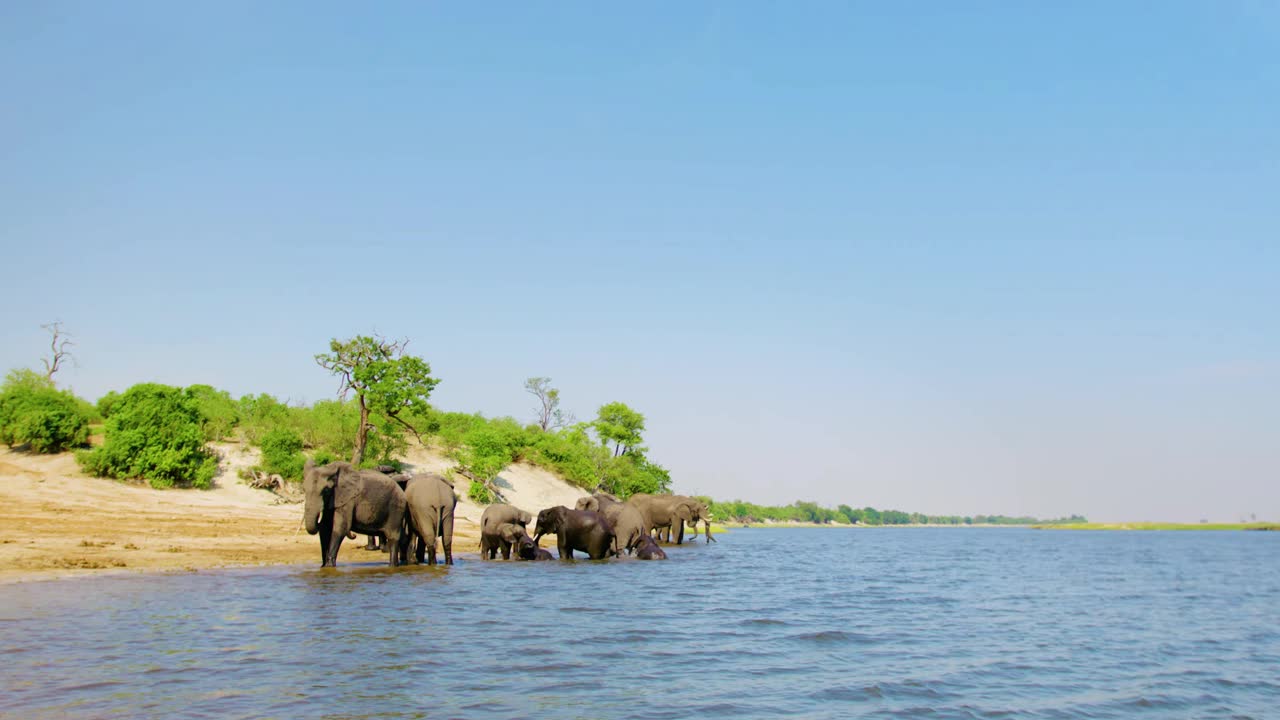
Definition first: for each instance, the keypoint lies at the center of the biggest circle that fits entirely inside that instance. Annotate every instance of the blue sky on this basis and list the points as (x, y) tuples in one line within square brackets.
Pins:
[(948, 257)]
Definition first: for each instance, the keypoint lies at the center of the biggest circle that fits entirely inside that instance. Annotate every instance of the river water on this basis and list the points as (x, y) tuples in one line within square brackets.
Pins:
[(950, 623)]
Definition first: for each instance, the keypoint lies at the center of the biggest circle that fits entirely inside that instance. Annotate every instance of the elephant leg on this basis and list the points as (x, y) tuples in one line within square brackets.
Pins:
[(429, 540), (446, 535), (326, 532), (340, 526)]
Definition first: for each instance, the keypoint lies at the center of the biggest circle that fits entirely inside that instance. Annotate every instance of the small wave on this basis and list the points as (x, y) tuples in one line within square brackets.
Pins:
[(834, 637)]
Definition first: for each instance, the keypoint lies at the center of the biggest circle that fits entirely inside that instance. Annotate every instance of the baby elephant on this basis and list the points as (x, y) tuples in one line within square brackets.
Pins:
[(647, 549), (580, 530), (533, 552), (502, 538)]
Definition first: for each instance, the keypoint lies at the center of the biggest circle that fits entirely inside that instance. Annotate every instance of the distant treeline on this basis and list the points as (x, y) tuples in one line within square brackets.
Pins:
[(811, 512)]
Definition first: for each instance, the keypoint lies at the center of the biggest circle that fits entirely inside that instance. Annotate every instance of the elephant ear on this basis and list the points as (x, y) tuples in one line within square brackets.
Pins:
[(347, 487)]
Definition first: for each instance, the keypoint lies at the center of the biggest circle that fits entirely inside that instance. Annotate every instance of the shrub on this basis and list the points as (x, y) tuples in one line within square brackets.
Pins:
[(282, 453), (259, 414), (154, 432), (219, 414), (480, 493), (42, 418), (107, 402)]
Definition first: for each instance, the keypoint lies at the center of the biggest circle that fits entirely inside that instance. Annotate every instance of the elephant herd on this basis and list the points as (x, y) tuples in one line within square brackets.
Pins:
[(411, 512)]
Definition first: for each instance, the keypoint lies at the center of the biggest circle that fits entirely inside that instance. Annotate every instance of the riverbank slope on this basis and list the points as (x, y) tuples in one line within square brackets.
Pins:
[(55, 521)]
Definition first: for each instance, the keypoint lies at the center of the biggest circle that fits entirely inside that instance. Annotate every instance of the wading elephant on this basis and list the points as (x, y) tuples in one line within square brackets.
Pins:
[(668, 513), (431, 511), (342, 499), (536, 553), (627, 521), (504, 537), (647, 549), (580, 530), (494, 536)]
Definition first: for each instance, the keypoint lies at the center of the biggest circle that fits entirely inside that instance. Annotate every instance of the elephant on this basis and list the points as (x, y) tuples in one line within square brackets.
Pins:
[(431, 510), (504, 537), (580, 530), (626, 519), (493, 536), (664, 513), (647, 549), (535, 553), (340, 499), (377, 542)]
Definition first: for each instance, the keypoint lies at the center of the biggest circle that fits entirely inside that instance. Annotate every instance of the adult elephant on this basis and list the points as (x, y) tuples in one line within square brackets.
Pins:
[(340, 499), (667, 514), (627, 521), (431, 511), (580, 530)]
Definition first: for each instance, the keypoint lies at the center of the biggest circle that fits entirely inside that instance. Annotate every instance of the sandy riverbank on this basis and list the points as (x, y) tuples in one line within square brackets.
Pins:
[(57, 522)]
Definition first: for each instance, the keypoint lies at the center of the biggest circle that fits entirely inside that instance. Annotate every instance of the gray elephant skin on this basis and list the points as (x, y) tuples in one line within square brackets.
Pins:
[(580, 530), (501, 527), (647, 549), (626, 519), (503, 538), (340, 499), (667, 514), (432, 506)]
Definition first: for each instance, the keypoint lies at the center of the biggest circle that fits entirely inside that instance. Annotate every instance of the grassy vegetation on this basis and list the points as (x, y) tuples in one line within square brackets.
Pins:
[(1159, 526)]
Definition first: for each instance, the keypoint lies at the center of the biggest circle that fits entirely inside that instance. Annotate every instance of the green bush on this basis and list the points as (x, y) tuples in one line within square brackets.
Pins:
[(479, 493), (259, 414), (322, 457), (282, 453), (107, 402), (219, 414), (154, 432), (42, 418)]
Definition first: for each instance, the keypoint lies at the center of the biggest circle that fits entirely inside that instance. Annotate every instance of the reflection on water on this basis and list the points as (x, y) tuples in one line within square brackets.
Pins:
[(806, 623)]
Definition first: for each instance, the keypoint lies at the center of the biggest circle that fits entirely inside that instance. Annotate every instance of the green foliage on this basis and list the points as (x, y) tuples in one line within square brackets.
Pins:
[(322, 457), (44, 419), (219, 414), (618, 424), (259, 414), (480, 493), (282, 453), (107, 402), (154, 432), (627, 475), (489, 447), (809, 512), (387, 383)]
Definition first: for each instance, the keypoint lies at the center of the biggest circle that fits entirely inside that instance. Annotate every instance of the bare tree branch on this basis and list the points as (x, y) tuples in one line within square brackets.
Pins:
[(58, 352)]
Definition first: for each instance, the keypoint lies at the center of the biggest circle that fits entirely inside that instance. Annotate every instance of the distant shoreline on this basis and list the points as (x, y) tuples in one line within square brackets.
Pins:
[(1258, 526)]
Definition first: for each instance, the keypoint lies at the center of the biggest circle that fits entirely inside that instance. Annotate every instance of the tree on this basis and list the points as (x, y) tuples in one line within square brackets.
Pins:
[(385, 380), (58, 352), (620, 425), (550, 416)]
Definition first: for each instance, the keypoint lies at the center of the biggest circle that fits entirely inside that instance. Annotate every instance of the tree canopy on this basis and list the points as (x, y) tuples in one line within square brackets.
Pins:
[(384, 379)]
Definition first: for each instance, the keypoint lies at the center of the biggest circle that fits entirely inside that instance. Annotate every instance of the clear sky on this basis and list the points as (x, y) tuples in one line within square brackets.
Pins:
[(980, 257)]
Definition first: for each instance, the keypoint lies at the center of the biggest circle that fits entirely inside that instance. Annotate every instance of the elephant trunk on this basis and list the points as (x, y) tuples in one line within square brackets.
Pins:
[(311, 516)]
